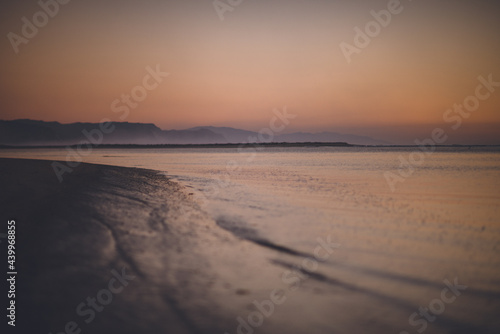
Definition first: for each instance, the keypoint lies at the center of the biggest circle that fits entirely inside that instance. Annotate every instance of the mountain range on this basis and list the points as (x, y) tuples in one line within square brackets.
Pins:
[(25, 132)]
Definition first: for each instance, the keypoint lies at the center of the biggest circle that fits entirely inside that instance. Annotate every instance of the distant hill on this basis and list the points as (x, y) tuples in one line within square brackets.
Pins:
[(324, 137), (40, 133), (243, 136)]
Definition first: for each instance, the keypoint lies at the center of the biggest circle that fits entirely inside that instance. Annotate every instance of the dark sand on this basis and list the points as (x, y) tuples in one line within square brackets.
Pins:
[(71, 235), (191, 274)]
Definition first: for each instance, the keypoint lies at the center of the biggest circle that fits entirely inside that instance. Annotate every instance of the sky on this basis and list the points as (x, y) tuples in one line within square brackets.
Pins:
[(234, 64)]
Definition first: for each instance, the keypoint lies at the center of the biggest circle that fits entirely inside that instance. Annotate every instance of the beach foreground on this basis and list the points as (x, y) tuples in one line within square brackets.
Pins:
[(125, 250)]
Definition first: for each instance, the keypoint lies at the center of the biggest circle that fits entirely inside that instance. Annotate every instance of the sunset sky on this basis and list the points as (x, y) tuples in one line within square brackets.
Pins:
[(265, 54)]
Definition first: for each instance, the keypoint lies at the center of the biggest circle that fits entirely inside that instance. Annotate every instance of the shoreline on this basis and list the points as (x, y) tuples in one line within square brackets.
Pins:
[(119, 249), (241, 145), (102, 222), (73, 237)]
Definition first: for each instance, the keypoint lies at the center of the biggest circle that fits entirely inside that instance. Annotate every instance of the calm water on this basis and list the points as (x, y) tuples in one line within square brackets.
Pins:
[(440, 222)]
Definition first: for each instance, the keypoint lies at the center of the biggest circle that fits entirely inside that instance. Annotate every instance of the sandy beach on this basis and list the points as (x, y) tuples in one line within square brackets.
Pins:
[(183, 273), (126, 250)]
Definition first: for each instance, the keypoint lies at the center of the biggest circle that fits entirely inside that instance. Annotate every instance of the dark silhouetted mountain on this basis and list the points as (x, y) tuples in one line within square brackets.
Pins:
[(39, 133)]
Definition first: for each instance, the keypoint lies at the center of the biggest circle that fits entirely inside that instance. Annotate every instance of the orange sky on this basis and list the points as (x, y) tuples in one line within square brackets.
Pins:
[(265, 54)]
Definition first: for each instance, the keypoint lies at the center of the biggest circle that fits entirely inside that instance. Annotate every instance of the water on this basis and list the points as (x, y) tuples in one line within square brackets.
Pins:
[(440, 222), (293, 195)]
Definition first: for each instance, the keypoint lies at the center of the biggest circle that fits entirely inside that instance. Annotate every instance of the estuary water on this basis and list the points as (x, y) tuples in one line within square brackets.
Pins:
[(406, 222)]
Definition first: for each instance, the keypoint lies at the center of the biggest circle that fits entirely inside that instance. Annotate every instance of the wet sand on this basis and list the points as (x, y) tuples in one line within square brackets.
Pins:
[(183, 273), (125, 250)]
